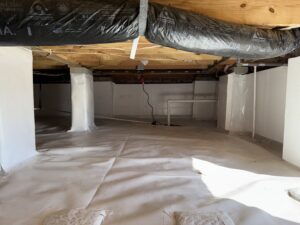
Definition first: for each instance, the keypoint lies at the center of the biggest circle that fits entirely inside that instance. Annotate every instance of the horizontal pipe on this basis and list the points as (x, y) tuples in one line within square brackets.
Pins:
[(262, 64), (192, 101)]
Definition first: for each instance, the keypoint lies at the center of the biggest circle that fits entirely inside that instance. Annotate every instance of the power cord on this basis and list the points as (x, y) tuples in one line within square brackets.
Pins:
[(142, 80)]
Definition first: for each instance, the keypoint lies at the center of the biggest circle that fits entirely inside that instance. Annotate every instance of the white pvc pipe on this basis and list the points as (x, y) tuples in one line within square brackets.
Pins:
[(254, 102), (192, 101), (169, 114), (185, 101)]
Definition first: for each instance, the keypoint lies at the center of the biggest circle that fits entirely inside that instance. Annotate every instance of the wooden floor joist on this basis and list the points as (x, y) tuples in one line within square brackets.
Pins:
[(116, 56), (54, 57)]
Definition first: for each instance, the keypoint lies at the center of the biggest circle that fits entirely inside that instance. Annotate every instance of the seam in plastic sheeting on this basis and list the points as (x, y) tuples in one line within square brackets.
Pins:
[(143, 16)]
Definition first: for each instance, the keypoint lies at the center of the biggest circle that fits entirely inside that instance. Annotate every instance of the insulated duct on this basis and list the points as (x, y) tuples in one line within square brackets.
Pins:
[(64, 22), (192, 32)]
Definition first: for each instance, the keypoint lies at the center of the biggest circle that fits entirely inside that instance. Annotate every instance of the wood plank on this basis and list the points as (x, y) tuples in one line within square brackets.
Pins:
[(44, 63), (116, 56), (55, 57)]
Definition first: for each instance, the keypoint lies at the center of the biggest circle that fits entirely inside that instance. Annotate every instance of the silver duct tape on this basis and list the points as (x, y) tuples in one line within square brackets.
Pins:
[(143, 17)]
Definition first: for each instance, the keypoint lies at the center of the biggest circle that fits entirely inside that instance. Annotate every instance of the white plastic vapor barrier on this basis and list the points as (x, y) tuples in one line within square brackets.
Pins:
[(129, 100), (144, 175), (241, 113), (291, 143), (235, 108), (17, 129), (82, 93), (236, 103)]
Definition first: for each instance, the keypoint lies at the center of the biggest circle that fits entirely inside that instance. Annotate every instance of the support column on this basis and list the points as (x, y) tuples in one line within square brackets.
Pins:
[(291, 143), (17, 128), (82, 99)]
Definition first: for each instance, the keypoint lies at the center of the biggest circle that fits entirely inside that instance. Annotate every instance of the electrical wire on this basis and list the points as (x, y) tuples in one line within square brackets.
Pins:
[(154, 122)]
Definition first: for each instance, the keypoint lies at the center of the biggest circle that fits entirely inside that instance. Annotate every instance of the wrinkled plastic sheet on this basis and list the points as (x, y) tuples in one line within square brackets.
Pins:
[(192, 32), (241, 112), (82, 100), (77, 217), (199, 218), (61, 22), (144, 174)]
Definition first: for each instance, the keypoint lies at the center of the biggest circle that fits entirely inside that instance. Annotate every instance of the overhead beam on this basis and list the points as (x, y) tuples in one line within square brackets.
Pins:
[(213, 67), (55, 57)]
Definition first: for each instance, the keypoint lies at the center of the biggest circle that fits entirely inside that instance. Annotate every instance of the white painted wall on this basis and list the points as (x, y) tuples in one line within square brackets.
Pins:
[(291, 146), (17, 129), (103, 95), (235, 107), (129, 99)]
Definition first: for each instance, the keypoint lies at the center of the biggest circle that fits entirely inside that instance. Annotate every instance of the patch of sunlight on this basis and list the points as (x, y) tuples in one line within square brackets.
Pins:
[(266, 192)]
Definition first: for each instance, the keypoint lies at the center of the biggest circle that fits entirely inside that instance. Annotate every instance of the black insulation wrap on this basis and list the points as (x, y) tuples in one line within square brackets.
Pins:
[(62, 22), (192, 32), (67, 22)]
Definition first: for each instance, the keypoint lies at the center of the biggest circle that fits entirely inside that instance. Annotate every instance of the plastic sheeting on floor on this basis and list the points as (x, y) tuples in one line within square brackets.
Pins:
[(144, 174)]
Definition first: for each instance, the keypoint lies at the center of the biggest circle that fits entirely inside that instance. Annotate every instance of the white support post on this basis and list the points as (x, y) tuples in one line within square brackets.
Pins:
[(17, 129), (82, 99)]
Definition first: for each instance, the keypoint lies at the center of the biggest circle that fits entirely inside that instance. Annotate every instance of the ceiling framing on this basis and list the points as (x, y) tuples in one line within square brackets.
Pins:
[(268, 13)]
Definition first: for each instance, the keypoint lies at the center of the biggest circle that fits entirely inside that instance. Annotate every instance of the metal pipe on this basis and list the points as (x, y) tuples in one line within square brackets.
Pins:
[(169, 113), (120, 119), (262, 64)]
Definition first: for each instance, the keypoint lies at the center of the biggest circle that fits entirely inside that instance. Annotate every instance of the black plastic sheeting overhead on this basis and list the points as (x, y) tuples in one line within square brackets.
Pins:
[(64, 22), (61, 22), (192, 32)]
